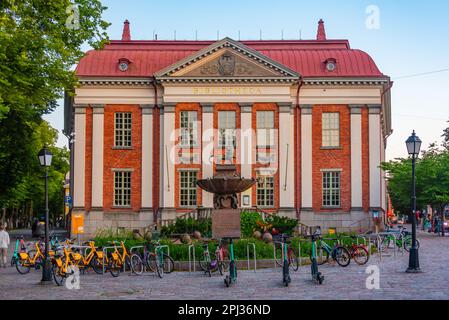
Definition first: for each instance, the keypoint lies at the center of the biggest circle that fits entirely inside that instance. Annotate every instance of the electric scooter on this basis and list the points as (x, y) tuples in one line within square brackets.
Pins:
[(232, 277), (286, 279), (316, 275)]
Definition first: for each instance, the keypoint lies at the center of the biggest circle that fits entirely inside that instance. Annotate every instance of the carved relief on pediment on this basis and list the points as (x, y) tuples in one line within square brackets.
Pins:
[(230, 65)]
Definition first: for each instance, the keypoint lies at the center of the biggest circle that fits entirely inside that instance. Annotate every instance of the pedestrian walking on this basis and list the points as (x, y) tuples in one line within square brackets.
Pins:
[(4, 244)]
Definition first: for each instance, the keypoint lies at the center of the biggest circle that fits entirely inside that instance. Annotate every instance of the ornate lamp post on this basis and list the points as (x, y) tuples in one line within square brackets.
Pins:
[(413, 147), (45, 157)]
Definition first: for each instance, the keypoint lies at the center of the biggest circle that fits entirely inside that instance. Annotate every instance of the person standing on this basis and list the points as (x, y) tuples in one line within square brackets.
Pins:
[(4, 244)]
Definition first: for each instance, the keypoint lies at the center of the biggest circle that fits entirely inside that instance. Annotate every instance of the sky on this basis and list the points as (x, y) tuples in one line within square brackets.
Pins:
[(407, 40)]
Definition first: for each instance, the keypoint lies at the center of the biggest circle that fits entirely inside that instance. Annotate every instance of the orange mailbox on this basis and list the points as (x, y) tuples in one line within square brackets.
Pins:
[(78, 224)]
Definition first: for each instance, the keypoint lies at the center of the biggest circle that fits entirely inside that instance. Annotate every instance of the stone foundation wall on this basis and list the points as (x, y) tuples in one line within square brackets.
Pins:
[(95, 220), (344, 222)]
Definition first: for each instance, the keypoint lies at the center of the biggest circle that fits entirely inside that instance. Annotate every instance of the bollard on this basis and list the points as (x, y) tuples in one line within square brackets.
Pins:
[(192, 253), (250, 244)]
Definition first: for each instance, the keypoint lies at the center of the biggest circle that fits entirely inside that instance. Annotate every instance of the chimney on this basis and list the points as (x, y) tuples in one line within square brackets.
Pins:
[(126, 36), (321, 34)]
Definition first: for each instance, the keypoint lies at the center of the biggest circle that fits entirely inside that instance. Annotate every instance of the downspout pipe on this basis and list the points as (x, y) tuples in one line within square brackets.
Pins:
[(298, 148), (156, 136)]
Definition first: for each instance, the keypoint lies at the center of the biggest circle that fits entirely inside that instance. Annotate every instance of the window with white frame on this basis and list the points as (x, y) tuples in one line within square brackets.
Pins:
[(189, 128), (188, 188), (331, 189), (226, 129), (265, 191), (123, 128), (331, 129), (265, 128), (122, 188)]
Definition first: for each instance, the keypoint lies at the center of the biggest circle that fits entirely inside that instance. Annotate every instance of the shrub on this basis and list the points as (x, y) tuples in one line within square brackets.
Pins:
[(189, 226), (248, 223), (282, 224)]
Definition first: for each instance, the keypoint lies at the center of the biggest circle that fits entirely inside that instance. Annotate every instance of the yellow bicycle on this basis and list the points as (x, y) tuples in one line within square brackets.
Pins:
[(31, 259), (118, 260), (63, 266)]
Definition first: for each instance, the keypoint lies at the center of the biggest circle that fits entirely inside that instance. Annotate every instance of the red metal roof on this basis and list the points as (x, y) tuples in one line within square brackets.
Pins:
[(303, 56)]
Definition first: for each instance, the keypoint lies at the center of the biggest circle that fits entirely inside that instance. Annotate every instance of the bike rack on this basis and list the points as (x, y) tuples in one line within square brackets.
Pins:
[(299, 253), (105, 252), (130, 253), (192, 253), (248, 245), (162, 247)]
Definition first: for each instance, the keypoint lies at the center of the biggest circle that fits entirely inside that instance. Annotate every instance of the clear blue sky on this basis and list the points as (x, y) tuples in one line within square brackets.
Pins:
[(412, 39)]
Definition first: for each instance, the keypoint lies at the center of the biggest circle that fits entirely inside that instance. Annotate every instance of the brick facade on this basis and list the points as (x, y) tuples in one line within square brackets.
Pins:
[(116, 158), (331, 158)]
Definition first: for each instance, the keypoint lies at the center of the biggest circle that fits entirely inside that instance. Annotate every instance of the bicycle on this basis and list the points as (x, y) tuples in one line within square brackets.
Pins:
[(222, 255), (159, 261), (208, 262), (62, 266), (359, 253), (118, 261), (20, 247), (293, 260), (402, 240), (93, 259), (338, 253), (31, 259)]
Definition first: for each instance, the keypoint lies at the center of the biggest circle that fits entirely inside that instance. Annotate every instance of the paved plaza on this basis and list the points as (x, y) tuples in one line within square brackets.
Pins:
[(339, 283)]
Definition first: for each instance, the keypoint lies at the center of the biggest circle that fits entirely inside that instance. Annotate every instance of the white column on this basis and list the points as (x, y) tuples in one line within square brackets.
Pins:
[(80, 158), (286, 156), (97, 155), (306, 157), (246, 152), (168, 157), (356, 157), (147, 156), (207, 145), (374, 157)]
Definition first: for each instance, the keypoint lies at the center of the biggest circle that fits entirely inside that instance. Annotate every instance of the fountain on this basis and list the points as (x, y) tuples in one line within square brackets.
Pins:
[(225, 186)]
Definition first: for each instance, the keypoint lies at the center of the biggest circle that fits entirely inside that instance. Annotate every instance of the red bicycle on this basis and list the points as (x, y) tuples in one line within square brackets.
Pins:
[(359, 253)]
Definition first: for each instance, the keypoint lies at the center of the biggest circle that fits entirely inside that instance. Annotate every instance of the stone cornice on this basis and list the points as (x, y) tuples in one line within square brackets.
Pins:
[(289, 80)]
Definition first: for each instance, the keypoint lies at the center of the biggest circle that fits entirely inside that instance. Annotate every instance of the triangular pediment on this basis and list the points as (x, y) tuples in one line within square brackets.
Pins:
[(230, 60)]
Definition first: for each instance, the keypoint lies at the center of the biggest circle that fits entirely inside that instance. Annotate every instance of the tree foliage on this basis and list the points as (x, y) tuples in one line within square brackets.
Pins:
[(432, 179), (40, 42)]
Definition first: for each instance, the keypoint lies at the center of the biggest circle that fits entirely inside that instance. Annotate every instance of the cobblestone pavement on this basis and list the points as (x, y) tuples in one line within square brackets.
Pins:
[(339, 283)]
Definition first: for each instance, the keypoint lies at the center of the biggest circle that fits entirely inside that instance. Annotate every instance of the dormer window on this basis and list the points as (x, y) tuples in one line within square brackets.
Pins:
[(123, 64), (331, 64)]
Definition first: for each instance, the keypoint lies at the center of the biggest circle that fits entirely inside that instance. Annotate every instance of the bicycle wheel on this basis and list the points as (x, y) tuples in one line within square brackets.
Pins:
[(385, 243), (23, 266), (408, 243), (360, 255), (136, 264), (160, 265), (97, 265), (205, 262), (169, 264), (342, 256), (151, 262), (278, 254), (114, 267), (322, 256), (294, 261)]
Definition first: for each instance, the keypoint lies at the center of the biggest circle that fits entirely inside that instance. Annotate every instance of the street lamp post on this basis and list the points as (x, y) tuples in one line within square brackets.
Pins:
[(45, 157), (413, 147)]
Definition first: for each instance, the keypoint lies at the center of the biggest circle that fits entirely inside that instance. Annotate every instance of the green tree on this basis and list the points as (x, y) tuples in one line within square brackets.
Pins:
[(40, 43)]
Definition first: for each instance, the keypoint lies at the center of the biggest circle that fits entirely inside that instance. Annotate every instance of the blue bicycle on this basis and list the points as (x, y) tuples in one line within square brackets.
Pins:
[(338, 253)]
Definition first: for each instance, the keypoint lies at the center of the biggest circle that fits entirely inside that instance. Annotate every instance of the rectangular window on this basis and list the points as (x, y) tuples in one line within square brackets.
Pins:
[(331, 189), (331, 129), (226, 129), (188, 188), (265, 128), (189, 128), (123, 127), (122, 188), (265, 191)]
